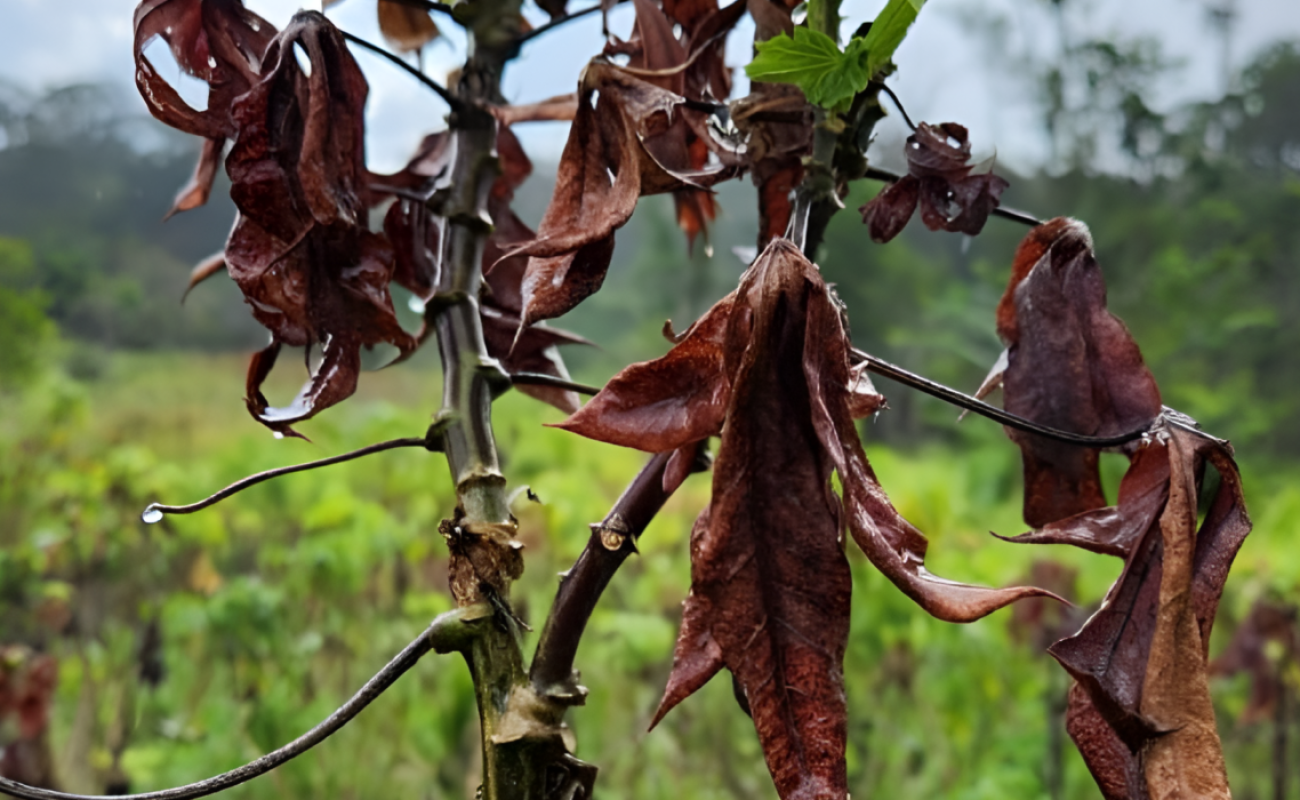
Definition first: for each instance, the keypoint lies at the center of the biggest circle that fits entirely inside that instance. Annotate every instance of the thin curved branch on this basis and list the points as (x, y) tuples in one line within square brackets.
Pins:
[(1023, 217), (897, 104), (555, 23), (372, 689), (154, 511), (946, 393), (440, 90), (542, 379)]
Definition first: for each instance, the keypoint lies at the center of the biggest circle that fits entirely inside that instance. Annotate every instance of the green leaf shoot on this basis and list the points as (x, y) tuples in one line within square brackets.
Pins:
[(829, 76)]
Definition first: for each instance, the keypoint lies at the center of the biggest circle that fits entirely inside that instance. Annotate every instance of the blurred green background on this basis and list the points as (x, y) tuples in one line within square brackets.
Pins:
[(191, 646)]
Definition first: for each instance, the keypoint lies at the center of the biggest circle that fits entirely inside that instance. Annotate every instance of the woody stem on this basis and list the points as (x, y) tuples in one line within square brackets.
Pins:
[(816, 200)]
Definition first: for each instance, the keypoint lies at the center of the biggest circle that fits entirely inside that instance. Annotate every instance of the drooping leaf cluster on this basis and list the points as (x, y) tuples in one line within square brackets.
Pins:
[(301, 249)]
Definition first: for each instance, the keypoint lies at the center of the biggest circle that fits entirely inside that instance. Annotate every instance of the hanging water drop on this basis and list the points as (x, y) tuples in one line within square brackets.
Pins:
[(708, 251), (415, 304), (212, 62), (151, 514), (278, 435)]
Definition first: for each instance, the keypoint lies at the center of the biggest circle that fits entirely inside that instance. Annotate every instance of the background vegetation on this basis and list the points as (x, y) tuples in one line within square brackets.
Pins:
[(191, 646)]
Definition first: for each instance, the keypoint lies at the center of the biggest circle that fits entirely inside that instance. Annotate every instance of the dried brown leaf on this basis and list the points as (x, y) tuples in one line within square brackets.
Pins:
[(1142, 659), (770, 586), (1072, 366), (769, 580), (196, 192), (941, 181), (608, 162), (203, 270), (561, 108), (405, 27), (217, 41), (300, 250), (669, 402)]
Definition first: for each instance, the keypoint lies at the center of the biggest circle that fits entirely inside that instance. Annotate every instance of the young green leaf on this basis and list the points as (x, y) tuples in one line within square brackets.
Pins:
[(807, 61), (828, 76), (887, 32)]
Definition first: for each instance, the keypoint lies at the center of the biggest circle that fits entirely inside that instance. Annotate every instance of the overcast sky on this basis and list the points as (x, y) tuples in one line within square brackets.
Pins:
[(947, 68)]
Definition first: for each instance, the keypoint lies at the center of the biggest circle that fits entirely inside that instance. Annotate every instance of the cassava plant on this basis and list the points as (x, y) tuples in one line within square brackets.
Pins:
[(769, 371)]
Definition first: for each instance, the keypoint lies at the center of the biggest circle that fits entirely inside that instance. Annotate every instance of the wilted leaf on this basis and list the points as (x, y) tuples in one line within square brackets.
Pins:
[(300, 250), (669, 402), (405, 27), (1071, 365), (217, 41), (951, 195), (606, 166), (196, 192), (769, 580), (203, 270), (769, 597), (561, 108), (1141, 659), (1114, 530)]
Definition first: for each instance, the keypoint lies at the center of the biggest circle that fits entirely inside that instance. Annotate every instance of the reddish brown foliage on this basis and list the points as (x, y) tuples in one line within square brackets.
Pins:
[(1071, 365), (301, 251), (611, 159), (769, 597), (939, 179)]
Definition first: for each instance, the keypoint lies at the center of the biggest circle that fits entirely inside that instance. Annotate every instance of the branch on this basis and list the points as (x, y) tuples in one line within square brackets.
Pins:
[(948, 394), (1012, 214), (555, 23), (450, 99), (897, 104), (373, 688), (581, 587), (154, 511), (541, 379)]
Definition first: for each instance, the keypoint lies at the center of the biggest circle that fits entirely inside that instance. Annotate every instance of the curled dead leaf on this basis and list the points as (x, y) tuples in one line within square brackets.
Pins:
[(952, 196), (770, 584), (1071, 365), (405, 27)]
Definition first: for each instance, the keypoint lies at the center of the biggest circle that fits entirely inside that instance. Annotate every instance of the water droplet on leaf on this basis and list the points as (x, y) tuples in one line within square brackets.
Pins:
[(415, 304)]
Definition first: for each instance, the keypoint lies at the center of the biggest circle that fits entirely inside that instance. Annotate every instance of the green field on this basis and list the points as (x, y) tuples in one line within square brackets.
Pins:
[(278, 603)]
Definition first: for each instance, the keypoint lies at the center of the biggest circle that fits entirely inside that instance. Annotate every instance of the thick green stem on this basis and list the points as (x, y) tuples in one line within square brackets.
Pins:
[(469, 375), (525, 755), (816, 200)]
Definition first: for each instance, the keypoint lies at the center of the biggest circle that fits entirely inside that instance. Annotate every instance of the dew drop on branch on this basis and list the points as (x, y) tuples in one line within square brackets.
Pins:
[(151, 514)]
